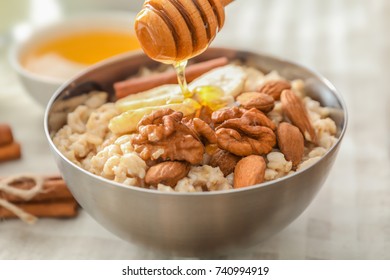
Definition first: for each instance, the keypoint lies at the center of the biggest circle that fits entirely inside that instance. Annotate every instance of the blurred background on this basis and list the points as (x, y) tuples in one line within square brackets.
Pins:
[(17, 18), (345, 40)]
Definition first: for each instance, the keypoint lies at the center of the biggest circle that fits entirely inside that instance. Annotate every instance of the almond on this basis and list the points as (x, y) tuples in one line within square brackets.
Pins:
[(258, 100), (225, 161), (274, 88), (296, 112), (290, 142), (249, 171), (167, 173)]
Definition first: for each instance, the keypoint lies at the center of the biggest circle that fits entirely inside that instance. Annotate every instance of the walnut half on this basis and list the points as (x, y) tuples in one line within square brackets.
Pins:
[(163, 135), (250, 134)]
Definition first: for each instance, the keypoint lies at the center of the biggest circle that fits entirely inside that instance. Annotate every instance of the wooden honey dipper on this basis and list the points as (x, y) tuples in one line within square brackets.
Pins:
[(175, 30)]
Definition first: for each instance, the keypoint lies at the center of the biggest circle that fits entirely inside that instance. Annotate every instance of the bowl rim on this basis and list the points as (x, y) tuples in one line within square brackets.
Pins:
[(18, 47), (129, 55)]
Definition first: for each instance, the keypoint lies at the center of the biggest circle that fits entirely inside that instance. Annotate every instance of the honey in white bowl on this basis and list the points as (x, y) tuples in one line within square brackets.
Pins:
[(65, 56)]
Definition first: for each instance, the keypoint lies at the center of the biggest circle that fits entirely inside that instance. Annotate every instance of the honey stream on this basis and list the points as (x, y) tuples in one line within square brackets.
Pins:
[(180, 67), (206, 95)]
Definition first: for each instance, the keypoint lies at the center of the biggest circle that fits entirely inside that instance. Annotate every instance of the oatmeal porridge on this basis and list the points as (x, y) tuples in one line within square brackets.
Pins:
[(239, 127)]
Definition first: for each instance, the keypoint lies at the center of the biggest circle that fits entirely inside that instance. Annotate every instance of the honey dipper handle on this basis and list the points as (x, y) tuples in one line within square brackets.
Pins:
[(226, 2)]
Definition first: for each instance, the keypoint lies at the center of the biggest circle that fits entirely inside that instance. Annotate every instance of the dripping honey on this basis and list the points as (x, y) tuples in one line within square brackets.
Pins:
[(180, 68), (209, 96)]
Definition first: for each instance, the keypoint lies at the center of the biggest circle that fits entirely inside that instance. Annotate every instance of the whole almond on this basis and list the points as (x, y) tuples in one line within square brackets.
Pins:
[(290, 142), (296, 112), (258, 100), (167, 173), (225, 161), (249, 171), (274, 88)]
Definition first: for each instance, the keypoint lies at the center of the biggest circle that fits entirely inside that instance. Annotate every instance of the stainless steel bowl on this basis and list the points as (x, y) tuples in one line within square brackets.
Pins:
[(193, 224)]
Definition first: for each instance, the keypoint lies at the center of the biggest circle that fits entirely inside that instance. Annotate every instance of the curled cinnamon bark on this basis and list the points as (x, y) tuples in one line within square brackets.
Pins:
[(9, 149), (6, 136), (53, 209), (29, 196), (10, 152), (53, 188)]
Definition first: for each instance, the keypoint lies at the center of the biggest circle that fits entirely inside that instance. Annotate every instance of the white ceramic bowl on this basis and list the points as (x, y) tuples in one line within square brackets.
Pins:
[(42, 87)]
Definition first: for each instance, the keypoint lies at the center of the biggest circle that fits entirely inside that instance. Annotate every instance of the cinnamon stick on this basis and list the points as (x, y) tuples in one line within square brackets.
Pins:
[(53, 189), (5, 134), (135, 85), (54, 209), (28, 196), (10, 152)]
